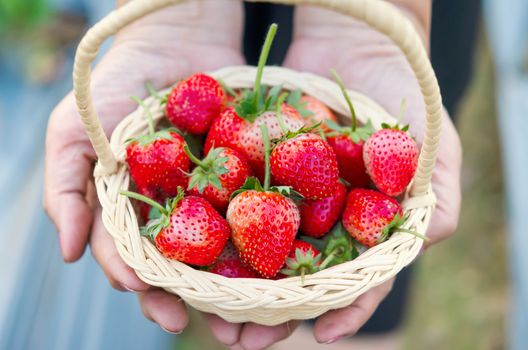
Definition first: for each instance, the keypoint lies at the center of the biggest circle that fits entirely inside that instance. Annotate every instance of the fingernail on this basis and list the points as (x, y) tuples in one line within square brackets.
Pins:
[(333, 340), (128, 288), (170, 332)]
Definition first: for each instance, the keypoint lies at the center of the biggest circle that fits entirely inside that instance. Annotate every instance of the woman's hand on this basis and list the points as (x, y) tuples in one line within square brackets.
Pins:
[(370, 63), (161, 48)]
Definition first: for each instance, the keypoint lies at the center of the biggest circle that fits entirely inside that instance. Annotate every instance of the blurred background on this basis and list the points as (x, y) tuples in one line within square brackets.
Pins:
[(460, 295)]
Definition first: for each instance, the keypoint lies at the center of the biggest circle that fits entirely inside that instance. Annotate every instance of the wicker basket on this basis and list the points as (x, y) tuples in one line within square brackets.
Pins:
[(263, 301)]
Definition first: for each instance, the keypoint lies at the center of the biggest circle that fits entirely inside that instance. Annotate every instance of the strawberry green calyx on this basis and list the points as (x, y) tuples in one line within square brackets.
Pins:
[(337, 247), (396, 226), (208, 170), (304, 263), (398, 126), (362, 133), (252, 104), (287, 134), (228, 89), (154, 226), (294, 100)]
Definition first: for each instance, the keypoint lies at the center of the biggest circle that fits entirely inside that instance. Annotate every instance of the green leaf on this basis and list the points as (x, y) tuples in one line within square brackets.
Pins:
[(287, 191), (273, 95), (294, 97), (319, 244), (227, 88), (252, 183), (215, 181), (154, 213), (332, 125)]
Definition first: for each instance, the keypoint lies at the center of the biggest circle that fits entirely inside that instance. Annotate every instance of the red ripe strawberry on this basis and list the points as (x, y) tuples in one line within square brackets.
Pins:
[(239, 127), (158, 165), (319, 216), (313, 110), (188, 230), (230, 265), (391, 158), (218, 175), (157, 162), (370, 216), (230, 130), (349, 155), (321, 112), (306, 163), (263, 221), (264, 225), (303, 259), (347, 143), (194, 103)]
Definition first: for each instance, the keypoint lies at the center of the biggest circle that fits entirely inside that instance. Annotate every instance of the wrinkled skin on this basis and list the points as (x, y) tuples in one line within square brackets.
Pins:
[(177, 42)]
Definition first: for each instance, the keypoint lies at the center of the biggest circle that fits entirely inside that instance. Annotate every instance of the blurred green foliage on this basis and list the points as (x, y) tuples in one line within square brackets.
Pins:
[(20, 15)]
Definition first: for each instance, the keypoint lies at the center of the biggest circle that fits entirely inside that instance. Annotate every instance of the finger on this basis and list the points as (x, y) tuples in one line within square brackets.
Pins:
[(167, 310), (337, 324), (257, 337), (120, 275), (226, 333), (446, 185), (68, 170)]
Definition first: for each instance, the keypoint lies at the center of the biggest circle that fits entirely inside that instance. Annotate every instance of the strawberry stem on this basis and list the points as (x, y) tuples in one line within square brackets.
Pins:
[(151, 91), (262, 62), (193, 158), (337, 251), (403, 108), (280, 101), (265, 139), (414, 233), (144, 199), (347, 98), (150, 120)]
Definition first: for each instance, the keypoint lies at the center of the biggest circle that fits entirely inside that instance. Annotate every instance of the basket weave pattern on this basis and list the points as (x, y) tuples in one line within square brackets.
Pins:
[(262, 301)]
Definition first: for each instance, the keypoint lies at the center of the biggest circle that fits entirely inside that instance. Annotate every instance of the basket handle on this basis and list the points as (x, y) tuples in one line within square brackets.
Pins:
[(380, 15)]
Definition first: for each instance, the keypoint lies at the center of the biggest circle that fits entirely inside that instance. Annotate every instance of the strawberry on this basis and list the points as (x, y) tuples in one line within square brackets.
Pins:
[(313, 110), (391, 158), (230, 265), (188, 229), (218, 175), (306, 163), (303, 259), (264, 224), (239, 127), (194, 103), (263, 221), (319, 216), (157, 162), (370, 217), (347, 143), (229, 130)]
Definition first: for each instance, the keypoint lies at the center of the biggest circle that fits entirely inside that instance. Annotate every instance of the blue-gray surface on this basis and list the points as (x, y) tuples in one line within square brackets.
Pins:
[(507, 23), (44, 303)]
